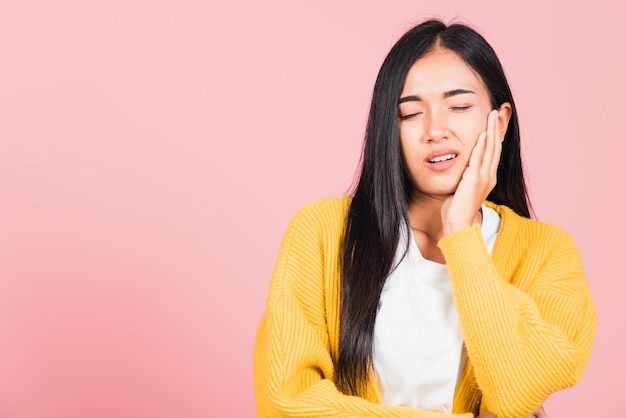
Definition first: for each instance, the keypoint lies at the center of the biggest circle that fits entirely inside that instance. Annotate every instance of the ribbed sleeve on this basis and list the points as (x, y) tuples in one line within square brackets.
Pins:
[(526, 315), (525, 312)]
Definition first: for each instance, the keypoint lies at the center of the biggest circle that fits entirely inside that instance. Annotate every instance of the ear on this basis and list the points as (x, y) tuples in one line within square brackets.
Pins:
[(504, 115)]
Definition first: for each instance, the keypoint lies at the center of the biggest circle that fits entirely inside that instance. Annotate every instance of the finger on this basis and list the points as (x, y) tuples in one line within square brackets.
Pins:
[(490, 144), (497, 151), (476, 158), (541, 413)]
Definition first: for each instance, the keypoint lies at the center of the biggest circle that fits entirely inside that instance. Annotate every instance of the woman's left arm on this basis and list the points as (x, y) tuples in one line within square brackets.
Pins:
[(528, 321)]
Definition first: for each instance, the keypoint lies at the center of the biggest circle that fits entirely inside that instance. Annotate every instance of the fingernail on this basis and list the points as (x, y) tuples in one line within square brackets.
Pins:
[(494, 114)]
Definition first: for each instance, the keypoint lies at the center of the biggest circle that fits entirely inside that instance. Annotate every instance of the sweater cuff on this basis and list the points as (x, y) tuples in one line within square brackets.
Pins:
[(467, 244)]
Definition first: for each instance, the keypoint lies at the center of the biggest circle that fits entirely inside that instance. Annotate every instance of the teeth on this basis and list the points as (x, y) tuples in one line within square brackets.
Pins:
[(442, 158)]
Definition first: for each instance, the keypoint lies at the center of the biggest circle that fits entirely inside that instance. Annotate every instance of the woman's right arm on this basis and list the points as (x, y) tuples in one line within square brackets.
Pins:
[(293, 366)]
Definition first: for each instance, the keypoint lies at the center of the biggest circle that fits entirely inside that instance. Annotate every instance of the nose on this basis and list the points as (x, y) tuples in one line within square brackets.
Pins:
[(436, 128)]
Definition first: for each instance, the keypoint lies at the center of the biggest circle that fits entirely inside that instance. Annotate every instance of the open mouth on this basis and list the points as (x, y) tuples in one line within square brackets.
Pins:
[(443, 158)]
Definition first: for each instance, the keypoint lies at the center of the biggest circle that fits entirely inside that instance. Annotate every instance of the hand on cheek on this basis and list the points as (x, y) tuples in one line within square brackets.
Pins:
[(461, 210)]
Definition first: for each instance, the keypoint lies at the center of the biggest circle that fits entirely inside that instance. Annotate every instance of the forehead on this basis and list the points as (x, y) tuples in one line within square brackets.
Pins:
[(439, 71)]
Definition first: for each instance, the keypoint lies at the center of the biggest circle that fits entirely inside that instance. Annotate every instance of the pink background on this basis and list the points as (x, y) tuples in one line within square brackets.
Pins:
[(153, 152)]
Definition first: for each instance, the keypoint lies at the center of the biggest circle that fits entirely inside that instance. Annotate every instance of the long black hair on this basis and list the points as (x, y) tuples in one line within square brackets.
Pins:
[(379, 204)]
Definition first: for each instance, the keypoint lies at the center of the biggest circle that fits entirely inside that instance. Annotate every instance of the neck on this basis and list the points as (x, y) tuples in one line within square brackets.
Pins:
[(425, 216)]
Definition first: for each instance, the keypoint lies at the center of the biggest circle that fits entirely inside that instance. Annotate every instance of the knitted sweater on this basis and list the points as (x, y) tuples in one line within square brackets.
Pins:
[(525, 312)]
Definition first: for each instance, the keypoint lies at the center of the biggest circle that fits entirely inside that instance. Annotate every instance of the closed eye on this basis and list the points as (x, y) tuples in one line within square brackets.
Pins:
[(410, 116), (459, 108)]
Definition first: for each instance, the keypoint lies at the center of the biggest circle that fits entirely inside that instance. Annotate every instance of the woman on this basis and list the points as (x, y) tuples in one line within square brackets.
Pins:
[(430, 290)]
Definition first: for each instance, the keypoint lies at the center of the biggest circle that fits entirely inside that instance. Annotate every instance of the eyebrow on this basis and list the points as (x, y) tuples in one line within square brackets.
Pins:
[(446, 95)]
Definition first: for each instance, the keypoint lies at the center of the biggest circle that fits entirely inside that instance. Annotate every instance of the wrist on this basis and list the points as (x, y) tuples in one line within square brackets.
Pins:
[(452, 226)]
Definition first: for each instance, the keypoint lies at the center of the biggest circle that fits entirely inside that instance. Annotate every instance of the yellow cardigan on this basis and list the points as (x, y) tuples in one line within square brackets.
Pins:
[(525, 311)]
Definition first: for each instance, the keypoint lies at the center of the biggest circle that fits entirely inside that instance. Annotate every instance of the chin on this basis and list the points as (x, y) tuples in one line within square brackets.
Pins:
[(436, 192), (442, 189), (443, 186)]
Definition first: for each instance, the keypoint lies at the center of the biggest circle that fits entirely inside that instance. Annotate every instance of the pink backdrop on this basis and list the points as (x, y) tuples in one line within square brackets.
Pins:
[(152, 153)]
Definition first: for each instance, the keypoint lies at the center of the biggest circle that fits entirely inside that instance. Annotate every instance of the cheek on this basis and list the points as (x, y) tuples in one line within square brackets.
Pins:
[(468, 131), (408, 154), (411, 135), (405, 151), (409, 145), (409, 131)]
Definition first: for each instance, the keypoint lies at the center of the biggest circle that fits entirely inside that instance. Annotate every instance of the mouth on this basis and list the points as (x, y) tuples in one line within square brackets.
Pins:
[(441, 158)]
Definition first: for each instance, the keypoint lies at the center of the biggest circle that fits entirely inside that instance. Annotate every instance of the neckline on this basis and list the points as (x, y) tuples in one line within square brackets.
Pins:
[(491, 223)]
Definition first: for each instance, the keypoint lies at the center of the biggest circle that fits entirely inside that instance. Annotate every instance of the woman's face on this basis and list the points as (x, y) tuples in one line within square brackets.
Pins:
[(443, 109)]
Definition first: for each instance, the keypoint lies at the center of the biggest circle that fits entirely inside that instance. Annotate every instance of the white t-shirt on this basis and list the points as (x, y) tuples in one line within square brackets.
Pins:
[(418, 344)]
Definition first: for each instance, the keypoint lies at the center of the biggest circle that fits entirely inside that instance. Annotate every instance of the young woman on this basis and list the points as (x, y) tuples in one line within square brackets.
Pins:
[(430, 290)]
